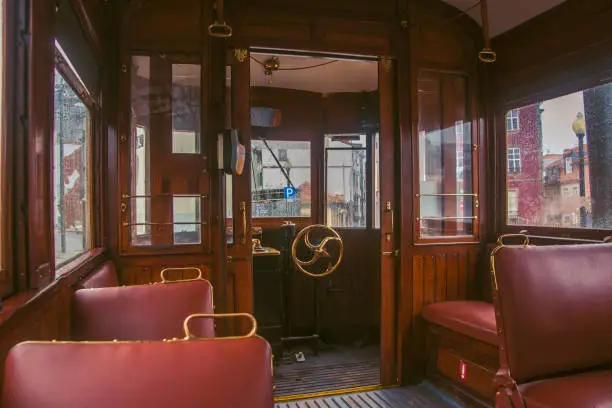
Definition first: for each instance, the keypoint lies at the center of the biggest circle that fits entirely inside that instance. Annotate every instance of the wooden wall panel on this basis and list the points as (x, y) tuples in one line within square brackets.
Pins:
[(555, 51), (46, 319), (314, 26), (437, 274), (169, 26), (147, 270)]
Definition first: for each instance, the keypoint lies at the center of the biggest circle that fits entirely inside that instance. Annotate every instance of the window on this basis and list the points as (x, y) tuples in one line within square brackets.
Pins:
[(163, 201), (447, 199), (513, 206), (346, 164), (71, 156), (569, 168), (512, 120), (280, 178), (514, 160), (561, 184)]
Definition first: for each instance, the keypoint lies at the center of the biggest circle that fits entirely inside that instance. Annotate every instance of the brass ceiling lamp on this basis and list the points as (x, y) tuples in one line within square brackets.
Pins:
[(487, 55), (270, 65)]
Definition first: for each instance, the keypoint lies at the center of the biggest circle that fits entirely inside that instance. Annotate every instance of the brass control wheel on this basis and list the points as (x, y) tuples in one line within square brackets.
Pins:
[(319, 251)]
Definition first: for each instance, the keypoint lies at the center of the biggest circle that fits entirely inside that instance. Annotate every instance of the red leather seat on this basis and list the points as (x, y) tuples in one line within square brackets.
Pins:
[(213, 373), (470, 318), (554, 310), (591, 389), (103, 277), (142, 312)]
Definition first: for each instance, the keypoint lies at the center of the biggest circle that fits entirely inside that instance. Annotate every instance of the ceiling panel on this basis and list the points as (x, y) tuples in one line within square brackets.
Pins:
[(507, 14)]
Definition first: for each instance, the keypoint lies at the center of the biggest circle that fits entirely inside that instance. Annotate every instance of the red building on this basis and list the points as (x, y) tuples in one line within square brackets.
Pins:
[(524, 161)]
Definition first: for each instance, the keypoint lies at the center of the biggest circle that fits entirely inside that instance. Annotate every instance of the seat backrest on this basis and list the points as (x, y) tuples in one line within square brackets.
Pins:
[(141, 312), (554, 308), (104, 276), (213, 373)]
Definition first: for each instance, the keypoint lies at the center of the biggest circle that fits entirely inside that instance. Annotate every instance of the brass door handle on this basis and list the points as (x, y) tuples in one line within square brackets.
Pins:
[(244, 222)]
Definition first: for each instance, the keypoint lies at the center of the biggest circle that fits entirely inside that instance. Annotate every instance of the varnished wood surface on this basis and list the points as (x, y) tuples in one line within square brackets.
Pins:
[(437, 274), (40, 139), (445, 349)]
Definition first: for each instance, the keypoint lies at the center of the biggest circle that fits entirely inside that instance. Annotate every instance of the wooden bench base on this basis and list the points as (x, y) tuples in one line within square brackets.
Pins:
[(462, 366)]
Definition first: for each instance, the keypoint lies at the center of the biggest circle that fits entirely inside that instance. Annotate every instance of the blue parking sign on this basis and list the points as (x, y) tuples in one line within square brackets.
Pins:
[(289, 192)]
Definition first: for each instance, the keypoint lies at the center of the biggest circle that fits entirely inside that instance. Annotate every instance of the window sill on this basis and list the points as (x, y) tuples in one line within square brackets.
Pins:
[(71, 273)]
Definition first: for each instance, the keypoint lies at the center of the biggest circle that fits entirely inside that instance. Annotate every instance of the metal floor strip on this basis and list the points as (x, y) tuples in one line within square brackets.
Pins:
[(421, 396)]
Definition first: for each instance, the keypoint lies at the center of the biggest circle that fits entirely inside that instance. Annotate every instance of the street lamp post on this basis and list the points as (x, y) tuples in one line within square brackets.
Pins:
[(579, 128)]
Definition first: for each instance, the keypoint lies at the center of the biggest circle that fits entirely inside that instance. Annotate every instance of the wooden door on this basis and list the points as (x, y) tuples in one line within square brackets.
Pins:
[(388, 221), (239, 251)]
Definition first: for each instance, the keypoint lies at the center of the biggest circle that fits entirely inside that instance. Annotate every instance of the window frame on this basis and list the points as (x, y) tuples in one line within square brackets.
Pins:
[(65, 68), (514, 149), (471, 118), (511, 116), (370, 138), (126, 247), (298, 220), (501, 183)]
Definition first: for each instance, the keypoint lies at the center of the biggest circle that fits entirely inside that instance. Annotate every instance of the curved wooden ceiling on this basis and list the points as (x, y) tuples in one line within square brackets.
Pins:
[(506, 14)]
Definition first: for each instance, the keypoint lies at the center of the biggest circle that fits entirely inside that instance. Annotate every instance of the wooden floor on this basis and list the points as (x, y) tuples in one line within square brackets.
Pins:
[(421, 396), (333, 369)]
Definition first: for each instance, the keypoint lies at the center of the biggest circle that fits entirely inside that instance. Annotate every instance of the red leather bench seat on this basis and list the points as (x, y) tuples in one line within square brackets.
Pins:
[(141, 312), (224, 373), (592, 389), (102, 277), (470, 318), (556, 312)]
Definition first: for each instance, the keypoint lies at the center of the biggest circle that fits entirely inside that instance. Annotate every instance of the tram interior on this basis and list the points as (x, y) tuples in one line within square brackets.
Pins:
[(290, 204)]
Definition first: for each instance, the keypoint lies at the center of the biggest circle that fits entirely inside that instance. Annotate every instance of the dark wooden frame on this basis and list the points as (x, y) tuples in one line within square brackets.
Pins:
[(472, 114), (71, 77), (275, 222), (13, 67), (124, 159)]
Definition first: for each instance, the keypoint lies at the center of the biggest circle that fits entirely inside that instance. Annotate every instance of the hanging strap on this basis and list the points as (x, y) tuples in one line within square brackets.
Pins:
[(219, 28), (487, 54)]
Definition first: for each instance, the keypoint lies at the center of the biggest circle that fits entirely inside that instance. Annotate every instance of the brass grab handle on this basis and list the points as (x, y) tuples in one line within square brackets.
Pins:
[(187, 268), (190, 336), (219, 30), (526, 242), (244, 222)]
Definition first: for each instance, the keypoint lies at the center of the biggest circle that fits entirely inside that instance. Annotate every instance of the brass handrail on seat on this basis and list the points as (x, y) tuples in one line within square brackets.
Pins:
[(183, 268), (190, 336), (506, 388)]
